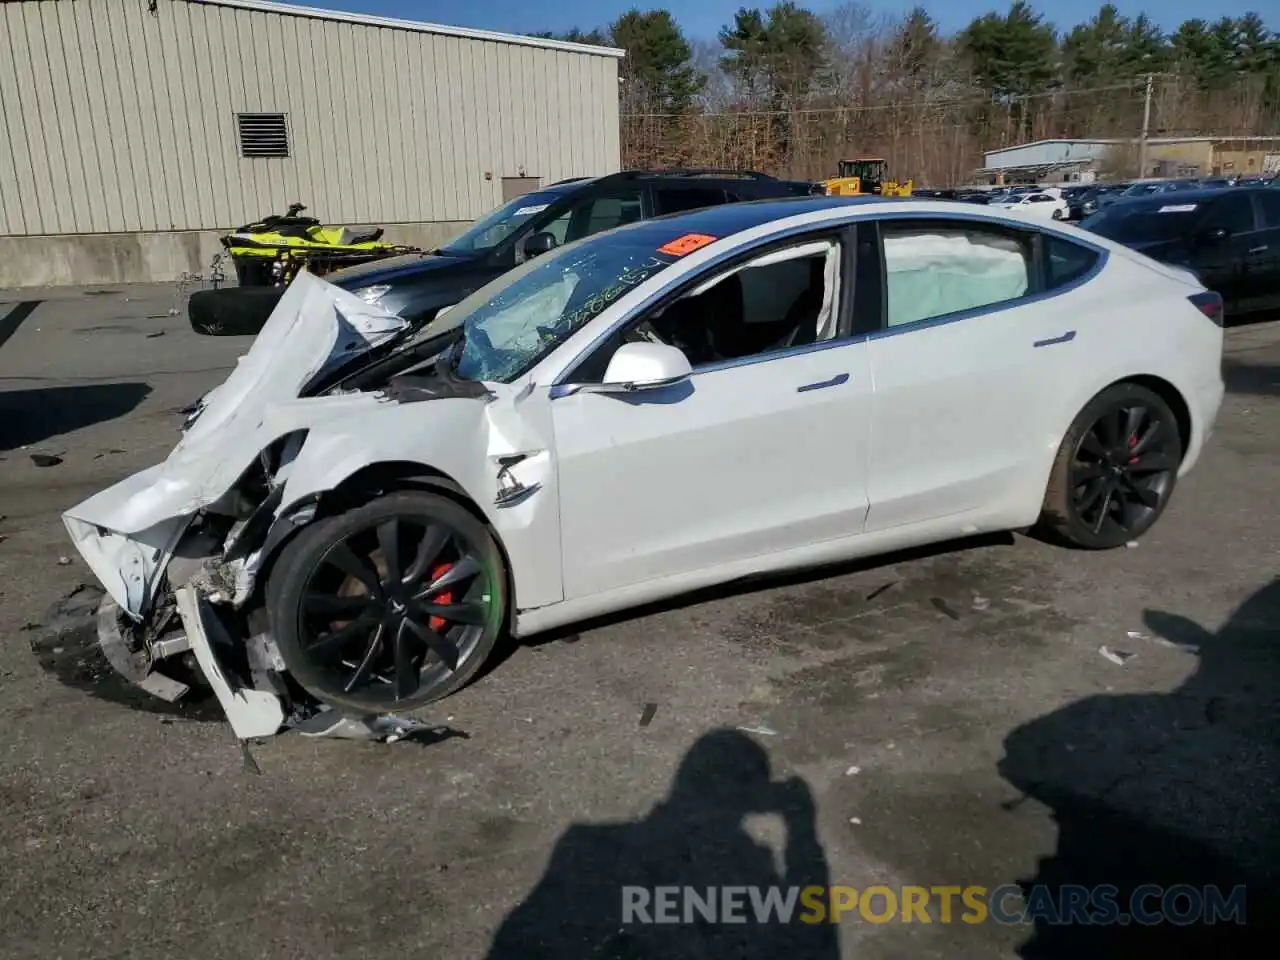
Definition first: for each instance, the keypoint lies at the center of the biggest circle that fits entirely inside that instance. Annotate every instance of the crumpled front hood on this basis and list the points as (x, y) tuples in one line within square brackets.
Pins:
[(294, 347), (127, 532)]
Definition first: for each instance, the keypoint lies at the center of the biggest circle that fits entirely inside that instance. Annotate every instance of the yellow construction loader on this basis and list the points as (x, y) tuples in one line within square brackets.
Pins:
[(865, 177)]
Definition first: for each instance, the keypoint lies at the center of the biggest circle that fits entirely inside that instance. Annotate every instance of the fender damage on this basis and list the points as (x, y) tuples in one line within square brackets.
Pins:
[(178, 547)]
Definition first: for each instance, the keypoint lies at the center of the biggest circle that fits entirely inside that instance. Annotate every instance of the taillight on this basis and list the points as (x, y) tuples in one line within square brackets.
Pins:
[(1208, 303)]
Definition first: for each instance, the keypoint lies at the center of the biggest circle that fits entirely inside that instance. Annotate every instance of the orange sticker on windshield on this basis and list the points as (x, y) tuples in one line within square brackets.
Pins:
[(690, 242)]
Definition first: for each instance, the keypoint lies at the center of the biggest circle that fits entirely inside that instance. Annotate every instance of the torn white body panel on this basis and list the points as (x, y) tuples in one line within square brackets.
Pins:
[(462, 439), (127, 532), (252, 713)]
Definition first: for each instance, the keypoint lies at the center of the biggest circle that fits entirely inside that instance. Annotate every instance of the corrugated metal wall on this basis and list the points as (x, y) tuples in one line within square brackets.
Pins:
[(1050, 151), (114, 118)]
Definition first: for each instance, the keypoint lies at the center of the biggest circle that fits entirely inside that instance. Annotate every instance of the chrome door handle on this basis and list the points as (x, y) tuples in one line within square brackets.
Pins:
[(835, 381), (1065, 338)]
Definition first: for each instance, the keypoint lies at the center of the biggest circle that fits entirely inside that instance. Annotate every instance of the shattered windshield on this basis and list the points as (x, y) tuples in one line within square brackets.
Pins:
[(502, 223), (512, 323)]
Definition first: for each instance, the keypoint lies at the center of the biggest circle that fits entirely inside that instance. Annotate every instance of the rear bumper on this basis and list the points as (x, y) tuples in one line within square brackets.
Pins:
[(1205, 404)]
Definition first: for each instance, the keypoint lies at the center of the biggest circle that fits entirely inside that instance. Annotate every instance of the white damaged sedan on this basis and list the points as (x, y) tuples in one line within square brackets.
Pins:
[(353, 519)]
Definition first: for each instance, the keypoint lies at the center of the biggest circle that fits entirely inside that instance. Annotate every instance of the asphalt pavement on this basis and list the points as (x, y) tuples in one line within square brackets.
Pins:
[(939, 718)]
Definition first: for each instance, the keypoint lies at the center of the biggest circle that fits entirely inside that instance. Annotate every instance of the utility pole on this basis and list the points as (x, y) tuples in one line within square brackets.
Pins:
[(1146, 123)]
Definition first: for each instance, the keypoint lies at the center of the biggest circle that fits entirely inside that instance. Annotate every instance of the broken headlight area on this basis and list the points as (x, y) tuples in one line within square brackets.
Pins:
[(206, 627)]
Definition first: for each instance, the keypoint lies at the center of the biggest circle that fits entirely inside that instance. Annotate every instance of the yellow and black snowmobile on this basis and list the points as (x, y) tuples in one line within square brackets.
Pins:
[(270, 252)]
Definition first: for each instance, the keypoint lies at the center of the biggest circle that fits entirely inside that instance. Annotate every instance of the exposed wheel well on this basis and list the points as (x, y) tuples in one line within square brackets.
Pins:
[(1157, 385), (380, 478), (1167, 392)]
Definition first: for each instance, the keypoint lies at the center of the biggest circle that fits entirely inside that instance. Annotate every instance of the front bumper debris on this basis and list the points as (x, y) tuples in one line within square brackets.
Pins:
[(257, 707), (136, 666), (179, 547), (252, 713)]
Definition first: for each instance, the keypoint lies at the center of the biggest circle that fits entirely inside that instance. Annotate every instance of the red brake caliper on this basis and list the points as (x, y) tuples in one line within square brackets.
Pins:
[(1133, 442), (437, 623)]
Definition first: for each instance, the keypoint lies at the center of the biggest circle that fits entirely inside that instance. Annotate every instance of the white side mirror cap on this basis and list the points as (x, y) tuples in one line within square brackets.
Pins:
[(639, 365)]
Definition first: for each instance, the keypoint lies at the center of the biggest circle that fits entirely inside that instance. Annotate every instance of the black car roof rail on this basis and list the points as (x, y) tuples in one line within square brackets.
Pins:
[(569, 180), (696, 172)]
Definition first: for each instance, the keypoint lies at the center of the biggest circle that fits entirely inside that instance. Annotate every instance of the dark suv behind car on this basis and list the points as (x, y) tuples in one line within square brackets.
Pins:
[(417, 286), (1229, 238)]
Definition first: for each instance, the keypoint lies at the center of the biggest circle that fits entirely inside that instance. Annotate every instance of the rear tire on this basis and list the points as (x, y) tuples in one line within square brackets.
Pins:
[(1115, 470), (390, 605), (233, 311), (1057, 214)]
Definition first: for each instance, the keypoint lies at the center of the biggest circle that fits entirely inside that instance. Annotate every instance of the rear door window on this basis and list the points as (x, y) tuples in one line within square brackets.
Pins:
[(936, 269), (605, 213), (676, 200), (1233, 212), (1146, 223)]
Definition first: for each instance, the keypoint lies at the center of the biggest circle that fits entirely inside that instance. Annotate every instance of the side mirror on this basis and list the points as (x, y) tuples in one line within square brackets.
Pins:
[(539, 243), (641, 366)]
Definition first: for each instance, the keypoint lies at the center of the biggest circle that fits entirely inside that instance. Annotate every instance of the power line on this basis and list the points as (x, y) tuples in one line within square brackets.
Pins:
[(901, 105)]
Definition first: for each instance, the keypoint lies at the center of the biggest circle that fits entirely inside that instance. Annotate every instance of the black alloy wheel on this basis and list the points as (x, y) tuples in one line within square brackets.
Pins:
[(1116, 469), (390, 605)]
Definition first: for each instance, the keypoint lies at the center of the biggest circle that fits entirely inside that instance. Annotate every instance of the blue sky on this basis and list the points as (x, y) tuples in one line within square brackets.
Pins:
[(702, 19)]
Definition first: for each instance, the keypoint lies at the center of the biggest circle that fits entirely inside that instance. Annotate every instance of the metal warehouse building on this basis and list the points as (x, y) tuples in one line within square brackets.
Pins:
[(1072, 160), (134, 132)]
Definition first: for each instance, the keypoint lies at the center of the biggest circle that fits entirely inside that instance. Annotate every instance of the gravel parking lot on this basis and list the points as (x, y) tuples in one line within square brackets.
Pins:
[(939, 718)]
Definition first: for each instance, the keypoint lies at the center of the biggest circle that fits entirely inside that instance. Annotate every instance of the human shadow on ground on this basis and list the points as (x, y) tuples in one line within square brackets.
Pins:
[(1181, 788), (1252, 379), (31, 416), (696, 839)]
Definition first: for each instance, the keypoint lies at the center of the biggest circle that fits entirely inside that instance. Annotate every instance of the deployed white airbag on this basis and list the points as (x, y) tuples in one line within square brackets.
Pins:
[(940, 272)]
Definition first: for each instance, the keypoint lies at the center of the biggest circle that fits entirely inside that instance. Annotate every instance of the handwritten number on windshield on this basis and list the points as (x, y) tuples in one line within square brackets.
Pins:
[(630, 277)]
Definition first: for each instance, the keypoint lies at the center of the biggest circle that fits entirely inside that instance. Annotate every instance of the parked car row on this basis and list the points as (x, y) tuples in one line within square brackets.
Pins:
[(417, 286), (1230, 238), (1086, 201), (1083, 200)]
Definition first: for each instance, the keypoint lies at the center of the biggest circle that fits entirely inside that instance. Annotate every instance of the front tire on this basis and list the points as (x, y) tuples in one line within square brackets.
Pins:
[(390, 605), (1115, 470), (1057, 214)]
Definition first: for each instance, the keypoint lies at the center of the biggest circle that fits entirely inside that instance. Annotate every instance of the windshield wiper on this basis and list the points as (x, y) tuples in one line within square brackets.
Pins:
[(453, 353)]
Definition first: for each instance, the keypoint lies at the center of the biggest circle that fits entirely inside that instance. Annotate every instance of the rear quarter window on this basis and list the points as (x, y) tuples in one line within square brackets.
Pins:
[(1066, 262)]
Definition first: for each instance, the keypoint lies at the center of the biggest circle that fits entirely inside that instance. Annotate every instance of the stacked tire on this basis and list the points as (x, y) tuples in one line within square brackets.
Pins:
[(232, 311)]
